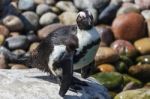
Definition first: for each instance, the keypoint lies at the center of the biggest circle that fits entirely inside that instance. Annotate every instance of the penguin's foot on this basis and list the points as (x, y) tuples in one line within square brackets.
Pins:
[(77, 84)]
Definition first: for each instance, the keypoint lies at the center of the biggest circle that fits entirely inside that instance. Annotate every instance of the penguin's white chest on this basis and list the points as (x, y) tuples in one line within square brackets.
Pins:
[(86, 43)]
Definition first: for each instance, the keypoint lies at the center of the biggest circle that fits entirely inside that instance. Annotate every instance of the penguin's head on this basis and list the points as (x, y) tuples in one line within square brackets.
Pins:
[(84, 20)]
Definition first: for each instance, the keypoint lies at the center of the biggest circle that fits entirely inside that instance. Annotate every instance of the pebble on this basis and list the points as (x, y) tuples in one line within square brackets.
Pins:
[(142, 45), (14, 34), (109, 13), (26, 5), (49, 2), (19, 66), (42, 9), (106, 55), (141, 72), (85, 4), (30, 20), (19, 42), (146, 14), (106, 68), (124, 47), (106, 35), (48, 18), (19, 52), (2, 39), (3, 62), (128, 9), (66, 6), (110, 80), (33, 46), (142, 93), (68, 18), (13, 23), (4, 30), (143, 4), (144, 59), (130, 26), (94, 13), (42, 33)]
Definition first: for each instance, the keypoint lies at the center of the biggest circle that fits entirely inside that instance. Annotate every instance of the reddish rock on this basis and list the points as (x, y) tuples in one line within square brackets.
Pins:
[(4, 31), (48, 29), (124, 47), (130, 26)]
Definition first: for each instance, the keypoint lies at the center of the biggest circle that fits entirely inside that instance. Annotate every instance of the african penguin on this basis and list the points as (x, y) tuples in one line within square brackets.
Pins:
[(66, 49)]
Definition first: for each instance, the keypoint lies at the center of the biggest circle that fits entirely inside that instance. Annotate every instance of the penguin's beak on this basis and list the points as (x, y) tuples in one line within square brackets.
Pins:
[(67, 73)]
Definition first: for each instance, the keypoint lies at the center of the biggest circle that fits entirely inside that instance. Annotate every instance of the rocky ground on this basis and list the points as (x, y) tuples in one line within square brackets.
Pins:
[(123, 58)]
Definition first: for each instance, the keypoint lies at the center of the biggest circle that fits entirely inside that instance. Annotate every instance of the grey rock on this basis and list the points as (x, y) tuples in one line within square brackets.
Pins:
[(33, 84), (109, 13), (18, 42), (42, 8), (26, 5), (66, 6), (48, 18), (49, 2), (84, 4), (30, 20)]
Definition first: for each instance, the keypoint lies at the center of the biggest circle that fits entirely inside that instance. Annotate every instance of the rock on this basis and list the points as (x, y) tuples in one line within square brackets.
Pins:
[(32, 37), (106, 68), (26, 4), (42, 33), (143, 4), (106, 35), (131, 86), (13, 23), (128, 8), (19, 66), (66, 6), (14, 34), (142, 45), (68, 18), (106, 55), (127, 79), (128, 0), (4, 31), (109, 13), (110, 80), (141, 72), (84, 4), (144, 59), (42, 8), (3, 61), (48, 18), (146, 14), (130, 26), (49, 2), (19, 42), (124, 47), (30, 20), (142, 93), (19, 52), (56, 10), (2, 39), (33, 46), (36, 85)]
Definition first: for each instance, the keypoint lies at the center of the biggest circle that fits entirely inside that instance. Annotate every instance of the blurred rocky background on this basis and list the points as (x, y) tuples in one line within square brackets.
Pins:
[(123, 58)]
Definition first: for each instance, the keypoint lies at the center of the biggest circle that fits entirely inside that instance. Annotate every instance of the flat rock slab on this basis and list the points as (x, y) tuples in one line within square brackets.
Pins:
[(34, 84)]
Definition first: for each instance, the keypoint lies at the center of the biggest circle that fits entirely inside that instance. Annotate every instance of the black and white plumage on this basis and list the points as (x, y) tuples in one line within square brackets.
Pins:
[(66, 49)]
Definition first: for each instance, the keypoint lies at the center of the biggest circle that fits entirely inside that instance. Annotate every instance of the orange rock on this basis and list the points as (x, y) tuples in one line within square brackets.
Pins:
[(4, 31), (130, 26), (106, 68)]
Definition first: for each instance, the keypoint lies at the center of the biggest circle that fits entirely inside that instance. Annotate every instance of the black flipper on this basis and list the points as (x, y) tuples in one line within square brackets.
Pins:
[(66, 79)]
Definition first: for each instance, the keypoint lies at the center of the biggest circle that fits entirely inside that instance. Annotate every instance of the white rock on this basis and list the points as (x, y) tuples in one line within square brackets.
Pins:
[(34, 84)]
